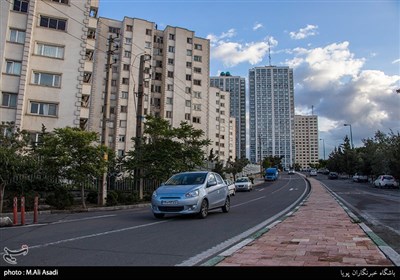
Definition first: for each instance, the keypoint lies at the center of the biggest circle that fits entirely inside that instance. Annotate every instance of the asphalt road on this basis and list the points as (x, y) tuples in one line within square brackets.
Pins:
[(135, 238), (379, 209)]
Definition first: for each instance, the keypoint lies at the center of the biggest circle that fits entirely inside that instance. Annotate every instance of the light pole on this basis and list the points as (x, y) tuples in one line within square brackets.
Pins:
[(351, 135), (323, 145)]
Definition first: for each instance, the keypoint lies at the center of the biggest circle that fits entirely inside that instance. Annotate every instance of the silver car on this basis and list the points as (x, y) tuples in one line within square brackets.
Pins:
[(194, 192), (243, 183)]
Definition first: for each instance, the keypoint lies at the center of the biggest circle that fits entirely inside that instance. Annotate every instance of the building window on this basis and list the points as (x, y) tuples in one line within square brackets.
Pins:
[(128, 40), (115, 30), (197, 82), (170, 61), (169, 100), (197, 107), (13, 67), (171, 49), (188, 103), (124, 109), (197, 70), (187, 116), (47, 79), (188, 77), (170, 87), (124, 95), (43, 109), (129, 28), (121, 138), (189, 40), (168, 114), (196, 120), (127, 54), (197, 58), (9, 100), (198, 47), (121, 153), (188, 64), (61, 1), (189, 52), (53, 23), (147, 45), (197, 94), (170, 74), (172, 37), (188, 90), (126, 67), (17, 36), (49, 50), (125, 81), (113, 82), (21, 6), (148, 32)]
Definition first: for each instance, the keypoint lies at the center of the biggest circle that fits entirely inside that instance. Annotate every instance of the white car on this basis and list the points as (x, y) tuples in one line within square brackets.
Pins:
[(243, 184), (386, 181), (231, 187), (313, 172)]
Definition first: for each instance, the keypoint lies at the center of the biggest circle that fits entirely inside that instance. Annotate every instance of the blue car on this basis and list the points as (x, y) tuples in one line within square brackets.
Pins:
[(194, 192)]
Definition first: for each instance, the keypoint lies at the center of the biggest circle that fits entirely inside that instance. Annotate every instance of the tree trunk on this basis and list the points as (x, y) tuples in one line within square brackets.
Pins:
[(2, 188), (83, 197)]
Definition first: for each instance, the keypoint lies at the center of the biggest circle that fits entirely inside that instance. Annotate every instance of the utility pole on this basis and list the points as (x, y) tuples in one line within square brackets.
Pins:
[(259, 145), (139, 122), (102, 188)]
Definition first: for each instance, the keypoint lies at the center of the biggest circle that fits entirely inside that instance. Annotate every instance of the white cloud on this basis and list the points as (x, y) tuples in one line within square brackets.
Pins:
[(257, 26), (234, 53), (333, 80), (309, 30), (396, 61)]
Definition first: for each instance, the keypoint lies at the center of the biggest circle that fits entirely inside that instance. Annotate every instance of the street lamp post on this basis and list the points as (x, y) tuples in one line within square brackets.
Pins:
[(323, 145), (351, 135)]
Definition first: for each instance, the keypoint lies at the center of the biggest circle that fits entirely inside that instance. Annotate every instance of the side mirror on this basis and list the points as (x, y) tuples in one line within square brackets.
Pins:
[(162, 184), (212, 183)]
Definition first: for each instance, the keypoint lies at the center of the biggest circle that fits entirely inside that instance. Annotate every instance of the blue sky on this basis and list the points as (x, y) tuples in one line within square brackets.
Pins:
[(345, 54)]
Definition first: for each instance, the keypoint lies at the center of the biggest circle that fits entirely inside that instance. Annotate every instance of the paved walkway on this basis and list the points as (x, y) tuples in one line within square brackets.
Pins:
[(320, 233)]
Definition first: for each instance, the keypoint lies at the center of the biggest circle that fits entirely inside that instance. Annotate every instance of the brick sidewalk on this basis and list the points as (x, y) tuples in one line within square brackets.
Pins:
[(320, 233)]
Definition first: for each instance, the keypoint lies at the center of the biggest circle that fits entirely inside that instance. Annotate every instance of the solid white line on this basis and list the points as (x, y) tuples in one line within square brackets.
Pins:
[(233, 249), (240, 204), (92, 235)]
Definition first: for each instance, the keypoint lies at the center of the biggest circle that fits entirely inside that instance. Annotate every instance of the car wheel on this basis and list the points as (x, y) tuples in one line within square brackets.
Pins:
[(227, 205), (159, 215), (203, 209)]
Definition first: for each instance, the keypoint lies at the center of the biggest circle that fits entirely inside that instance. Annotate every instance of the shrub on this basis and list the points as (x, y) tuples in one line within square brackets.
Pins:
[(61, 198), (112, 198), (92, 197)]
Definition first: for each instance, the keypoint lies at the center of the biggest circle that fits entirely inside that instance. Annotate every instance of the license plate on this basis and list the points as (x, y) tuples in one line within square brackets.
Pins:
[(169, 202)]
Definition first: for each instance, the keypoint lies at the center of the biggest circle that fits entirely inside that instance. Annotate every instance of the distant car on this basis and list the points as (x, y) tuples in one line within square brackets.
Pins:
[(313, 172), (291, 171), (333, 175), (385, 181), (231, 187), (358, 177), (243, 184), (194, 192)]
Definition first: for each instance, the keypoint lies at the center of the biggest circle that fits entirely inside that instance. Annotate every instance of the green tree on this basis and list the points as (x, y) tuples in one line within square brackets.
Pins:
[(235, 167), (165, 150), (72, 154), (272, 161), (15, 156)]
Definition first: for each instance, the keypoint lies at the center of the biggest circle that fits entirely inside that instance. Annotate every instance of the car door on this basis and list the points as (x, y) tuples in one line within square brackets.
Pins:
[(222, 191), (212, 190)]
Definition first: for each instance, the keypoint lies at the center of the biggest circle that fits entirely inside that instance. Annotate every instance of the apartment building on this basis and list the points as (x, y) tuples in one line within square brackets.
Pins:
[(306, 140), (271, 110), (46, 61), (236, 86), (222, 127), (174, 83)]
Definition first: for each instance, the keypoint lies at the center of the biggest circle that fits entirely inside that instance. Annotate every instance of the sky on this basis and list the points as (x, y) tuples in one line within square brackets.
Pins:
[(345, 54)]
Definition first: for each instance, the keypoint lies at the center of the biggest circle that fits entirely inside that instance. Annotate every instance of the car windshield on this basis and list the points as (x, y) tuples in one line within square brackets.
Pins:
[(187, 179), (240, 180), (387, 178)]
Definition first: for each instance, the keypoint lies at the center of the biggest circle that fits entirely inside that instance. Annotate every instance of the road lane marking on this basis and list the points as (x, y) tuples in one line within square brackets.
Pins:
[(92, 235), (243, 203)]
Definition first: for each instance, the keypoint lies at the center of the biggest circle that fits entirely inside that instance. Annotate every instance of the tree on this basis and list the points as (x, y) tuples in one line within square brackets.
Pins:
[(272, 161), (73, 155), (15, 156), (235, 167), (165, 150)]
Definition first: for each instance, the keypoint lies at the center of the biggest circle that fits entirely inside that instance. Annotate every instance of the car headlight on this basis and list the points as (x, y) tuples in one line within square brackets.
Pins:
[(155, 194), (192, 193)]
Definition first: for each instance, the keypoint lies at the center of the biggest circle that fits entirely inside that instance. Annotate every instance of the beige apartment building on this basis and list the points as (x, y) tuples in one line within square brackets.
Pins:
[(46, 61), (306, 140), (174, 83), (222, 128)]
